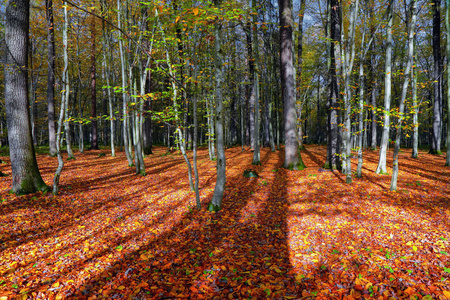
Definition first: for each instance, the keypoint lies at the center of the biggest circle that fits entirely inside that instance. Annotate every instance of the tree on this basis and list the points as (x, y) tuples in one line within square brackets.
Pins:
[(50, 77), (94, 141), (447, 26), (381, 168), (26, 177), (256, 153), (437, 79), (216, 201), (292, 160), (410, 25), (333, 151)]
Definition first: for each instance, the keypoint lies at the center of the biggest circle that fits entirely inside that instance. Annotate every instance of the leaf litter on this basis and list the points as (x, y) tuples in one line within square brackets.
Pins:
[(111, 234)]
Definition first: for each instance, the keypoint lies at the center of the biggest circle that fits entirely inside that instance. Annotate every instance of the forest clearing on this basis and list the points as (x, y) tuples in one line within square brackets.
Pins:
[(111, 234)]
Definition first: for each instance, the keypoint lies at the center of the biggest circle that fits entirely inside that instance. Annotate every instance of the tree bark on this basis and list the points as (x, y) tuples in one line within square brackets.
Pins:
[(333, 157), (256, 144), (437, 80), (447, 26), (381, 168), (94, 141), (216, 202), (26, 177), (401, 109), (50, 77), (292, 159)]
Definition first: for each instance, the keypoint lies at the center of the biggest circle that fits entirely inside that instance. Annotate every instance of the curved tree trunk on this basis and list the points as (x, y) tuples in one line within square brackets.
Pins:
[(25, 173)]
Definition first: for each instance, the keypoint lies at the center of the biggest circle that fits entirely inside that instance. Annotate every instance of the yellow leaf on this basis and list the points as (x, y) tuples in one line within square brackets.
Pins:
[(277, 270), (177, 19), (409, 243), (195, 11), (56, 284), (120, 288), (414, 248), (447, 294)]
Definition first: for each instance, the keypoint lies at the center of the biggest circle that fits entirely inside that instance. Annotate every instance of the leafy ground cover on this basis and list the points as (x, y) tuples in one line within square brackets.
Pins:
[(284, 235)]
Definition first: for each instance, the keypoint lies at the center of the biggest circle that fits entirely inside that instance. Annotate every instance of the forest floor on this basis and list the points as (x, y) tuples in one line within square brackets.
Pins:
[(111, 234)]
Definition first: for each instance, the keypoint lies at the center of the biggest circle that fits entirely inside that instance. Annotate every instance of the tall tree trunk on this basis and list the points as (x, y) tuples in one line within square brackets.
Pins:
[(94, 141), (301, 14), (50, 77), (333, 158), (415, 141), (123, 63), (66, 87), (251, 86), (256, 153), (107, 68), (292, 159), (373, 113), (216, 202), (437, 80), (447, 26), (381, 168), (361, 112), (58, 148), (401, 109), (348, 54), (26, 177)]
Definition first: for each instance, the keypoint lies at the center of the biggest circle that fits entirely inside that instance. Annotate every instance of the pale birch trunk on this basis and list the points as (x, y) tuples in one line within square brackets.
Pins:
[(381, 168), (124, 86), (401, 109)]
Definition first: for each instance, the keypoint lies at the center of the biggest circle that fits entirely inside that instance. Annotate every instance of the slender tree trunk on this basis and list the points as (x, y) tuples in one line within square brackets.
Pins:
[(437, 80), (333, 158), (251, 94), (381, 168), (216, 202), (415, 141), (401, 109), (360, 114), (58, 148), (374, 126), (256, 153), (66, 89), (348, 58), (447, 26), (107, 67), (26, 177), (301, 13), (94, 141), (51, 77), (124, 85)]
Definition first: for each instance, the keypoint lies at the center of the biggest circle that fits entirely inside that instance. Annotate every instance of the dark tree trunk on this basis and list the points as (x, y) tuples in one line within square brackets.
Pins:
[(333, 161), (292, 159), (437, 80), (51, 78), (25, 173), (251, 86)]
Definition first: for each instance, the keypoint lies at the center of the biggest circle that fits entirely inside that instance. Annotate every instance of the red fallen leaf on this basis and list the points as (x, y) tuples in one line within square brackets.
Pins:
[(409, 291), (193, 289)]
